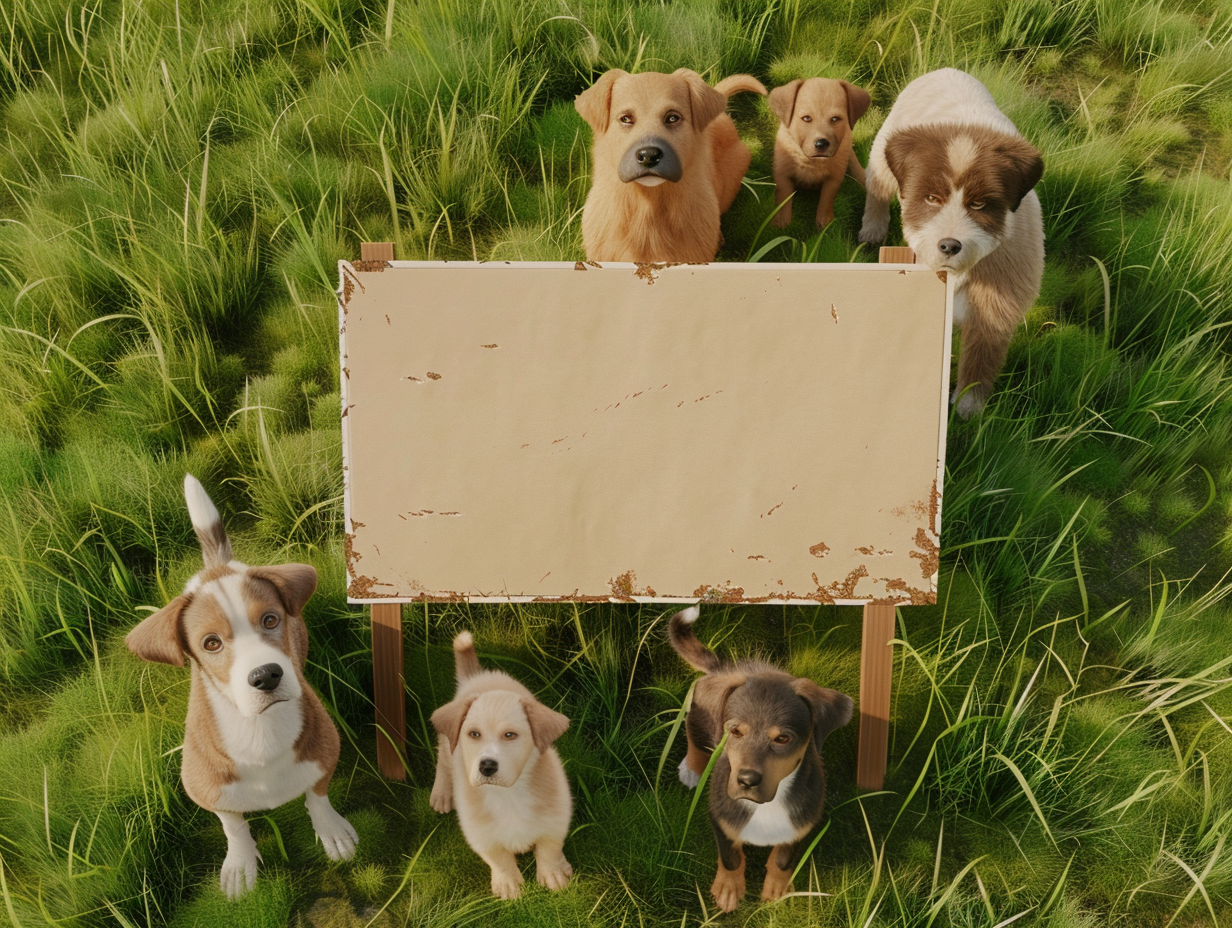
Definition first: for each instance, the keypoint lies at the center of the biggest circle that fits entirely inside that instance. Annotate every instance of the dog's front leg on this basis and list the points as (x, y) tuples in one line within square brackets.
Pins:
[(442, 787), (338, 836), (506, 877), (239, 868), (986, 334), (728, 886), (784, 187), (825, 201), (551, 868), (879, 190), (780, 865)]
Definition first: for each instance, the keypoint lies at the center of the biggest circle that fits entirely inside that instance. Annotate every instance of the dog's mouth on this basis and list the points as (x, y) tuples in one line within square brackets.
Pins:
[(650, 180), (273, 701), (822, 155), (751, 795)]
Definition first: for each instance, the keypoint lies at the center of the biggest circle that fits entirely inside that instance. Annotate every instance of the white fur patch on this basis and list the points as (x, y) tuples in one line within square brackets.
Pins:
[(961, 153), (771, 822)]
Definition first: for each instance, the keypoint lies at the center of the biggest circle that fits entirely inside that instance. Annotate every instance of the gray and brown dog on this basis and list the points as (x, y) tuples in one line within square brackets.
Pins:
[(768, 788)]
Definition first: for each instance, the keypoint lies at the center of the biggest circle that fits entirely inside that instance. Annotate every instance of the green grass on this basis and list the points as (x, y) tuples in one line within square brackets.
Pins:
[(178, 179)]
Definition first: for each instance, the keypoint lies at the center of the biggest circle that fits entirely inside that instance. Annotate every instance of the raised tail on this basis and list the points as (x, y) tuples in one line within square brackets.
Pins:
[(680, 634), (215, 545), (740, 82), (465, 661)]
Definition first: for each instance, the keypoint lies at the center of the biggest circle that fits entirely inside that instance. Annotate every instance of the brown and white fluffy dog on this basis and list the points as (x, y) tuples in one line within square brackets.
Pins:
[(496, 765), (667, 163), (768, 788), (256, 734), (964, 177), (812, 149)]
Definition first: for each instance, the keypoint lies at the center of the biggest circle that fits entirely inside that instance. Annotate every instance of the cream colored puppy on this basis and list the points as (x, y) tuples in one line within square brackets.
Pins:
[(497, 767)]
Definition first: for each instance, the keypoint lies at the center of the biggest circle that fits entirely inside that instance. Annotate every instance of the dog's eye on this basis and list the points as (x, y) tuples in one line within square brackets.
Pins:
[(212, 643), (626, 120), (672, 118), (933, 200), (473, 733), (807, 118), (976, 204), (510, 735), (835, 118), (270, 620), (783, 739), (735, 732)]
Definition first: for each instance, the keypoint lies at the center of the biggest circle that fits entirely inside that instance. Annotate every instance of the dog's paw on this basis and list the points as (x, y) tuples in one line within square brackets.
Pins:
[(507, 885), (239, 872), (728, 889), (777, 885), (555, 878), (873, 232), (441, 799), (687, 776), (969, 403), (338, 836), (782, 218)]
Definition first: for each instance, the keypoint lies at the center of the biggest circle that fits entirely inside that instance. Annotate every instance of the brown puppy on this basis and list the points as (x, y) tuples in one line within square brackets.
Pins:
[(667, 163), (813, 146), (768, 788)]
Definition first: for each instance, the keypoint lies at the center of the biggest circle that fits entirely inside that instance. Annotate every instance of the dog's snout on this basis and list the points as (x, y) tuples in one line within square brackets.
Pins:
[(649, 155), (821, 144), (950, 246), (749, 778), (266, 677), (488, 767)]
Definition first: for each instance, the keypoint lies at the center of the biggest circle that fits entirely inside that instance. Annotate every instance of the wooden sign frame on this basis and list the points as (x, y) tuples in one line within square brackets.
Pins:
[(880, 596)]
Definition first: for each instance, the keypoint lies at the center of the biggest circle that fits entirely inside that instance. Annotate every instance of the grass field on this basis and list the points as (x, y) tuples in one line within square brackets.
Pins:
[(177, 181)]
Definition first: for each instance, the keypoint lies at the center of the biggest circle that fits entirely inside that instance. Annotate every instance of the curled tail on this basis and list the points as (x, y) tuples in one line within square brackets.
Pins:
[(740, 82), (465, 662), (215, 545), (680, 634)]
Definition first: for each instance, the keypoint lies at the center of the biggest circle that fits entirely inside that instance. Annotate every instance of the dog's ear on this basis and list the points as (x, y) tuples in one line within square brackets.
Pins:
[(898, 154), (595, 103), (448, 719), (707, 103), (830, 708), (709, 709), (1024, 168), (546, 725), (858, 100), (782, 100), (157, 638), (295, 583)]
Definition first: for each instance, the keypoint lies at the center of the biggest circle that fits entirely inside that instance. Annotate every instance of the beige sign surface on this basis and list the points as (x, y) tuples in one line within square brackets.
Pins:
[(724, 432)]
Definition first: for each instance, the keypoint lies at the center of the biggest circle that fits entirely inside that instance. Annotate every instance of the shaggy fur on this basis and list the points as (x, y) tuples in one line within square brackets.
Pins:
[(667, 163), (964, 177)]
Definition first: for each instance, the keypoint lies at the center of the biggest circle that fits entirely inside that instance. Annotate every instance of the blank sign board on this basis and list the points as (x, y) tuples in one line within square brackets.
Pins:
[(724, 432)]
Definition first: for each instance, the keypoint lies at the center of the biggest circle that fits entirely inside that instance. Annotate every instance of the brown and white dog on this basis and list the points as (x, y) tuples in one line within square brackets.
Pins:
[(768, 787), (496, 765), (667, 163), (964, 177), (812, 149), (256, 734)]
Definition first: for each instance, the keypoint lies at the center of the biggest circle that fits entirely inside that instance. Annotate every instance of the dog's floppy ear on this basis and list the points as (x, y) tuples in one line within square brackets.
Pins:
[(157, 638), (1024, 168), (595, 103), (546, 725), (707, 102), (448, 719), (898, 153), (782, 100), (858, 100), (830, 708), (295, 583), (710, 702)]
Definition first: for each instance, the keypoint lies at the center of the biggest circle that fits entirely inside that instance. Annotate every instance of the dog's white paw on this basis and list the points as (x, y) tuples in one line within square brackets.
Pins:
[(557, 877), (969, 404), (687, 776), (338, 837), (239, 871), (507, 885), (874, 230), (441, 799)]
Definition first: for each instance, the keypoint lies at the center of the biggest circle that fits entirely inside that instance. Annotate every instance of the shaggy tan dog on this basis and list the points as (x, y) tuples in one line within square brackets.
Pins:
[(667, 163), (812, 149)]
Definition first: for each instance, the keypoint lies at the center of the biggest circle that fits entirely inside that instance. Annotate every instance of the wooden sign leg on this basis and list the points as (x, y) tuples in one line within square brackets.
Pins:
[(876, 666), (387, 688)]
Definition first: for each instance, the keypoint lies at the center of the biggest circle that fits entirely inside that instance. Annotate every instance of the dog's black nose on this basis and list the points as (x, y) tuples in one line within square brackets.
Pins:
[(266, 677), (487, 766), (649, 156), (821, 144), (748, 778), (950, 246)]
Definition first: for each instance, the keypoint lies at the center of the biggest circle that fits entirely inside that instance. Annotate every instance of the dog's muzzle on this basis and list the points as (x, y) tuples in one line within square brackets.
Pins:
[(650, 161), (822, 148)]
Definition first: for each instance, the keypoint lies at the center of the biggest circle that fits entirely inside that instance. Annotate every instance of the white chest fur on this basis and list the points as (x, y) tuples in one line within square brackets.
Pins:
[(262, 748), (771, 822)]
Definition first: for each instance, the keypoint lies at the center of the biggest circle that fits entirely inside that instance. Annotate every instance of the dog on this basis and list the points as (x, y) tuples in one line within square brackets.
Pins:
[(256, 734), (496, 765), (667, 163), (768, 787), (964, 177), (812, 148)]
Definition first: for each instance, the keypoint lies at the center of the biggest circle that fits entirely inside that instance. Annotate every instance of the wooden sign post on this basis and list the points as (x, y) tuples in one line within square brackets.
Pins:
[(736, 433)]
